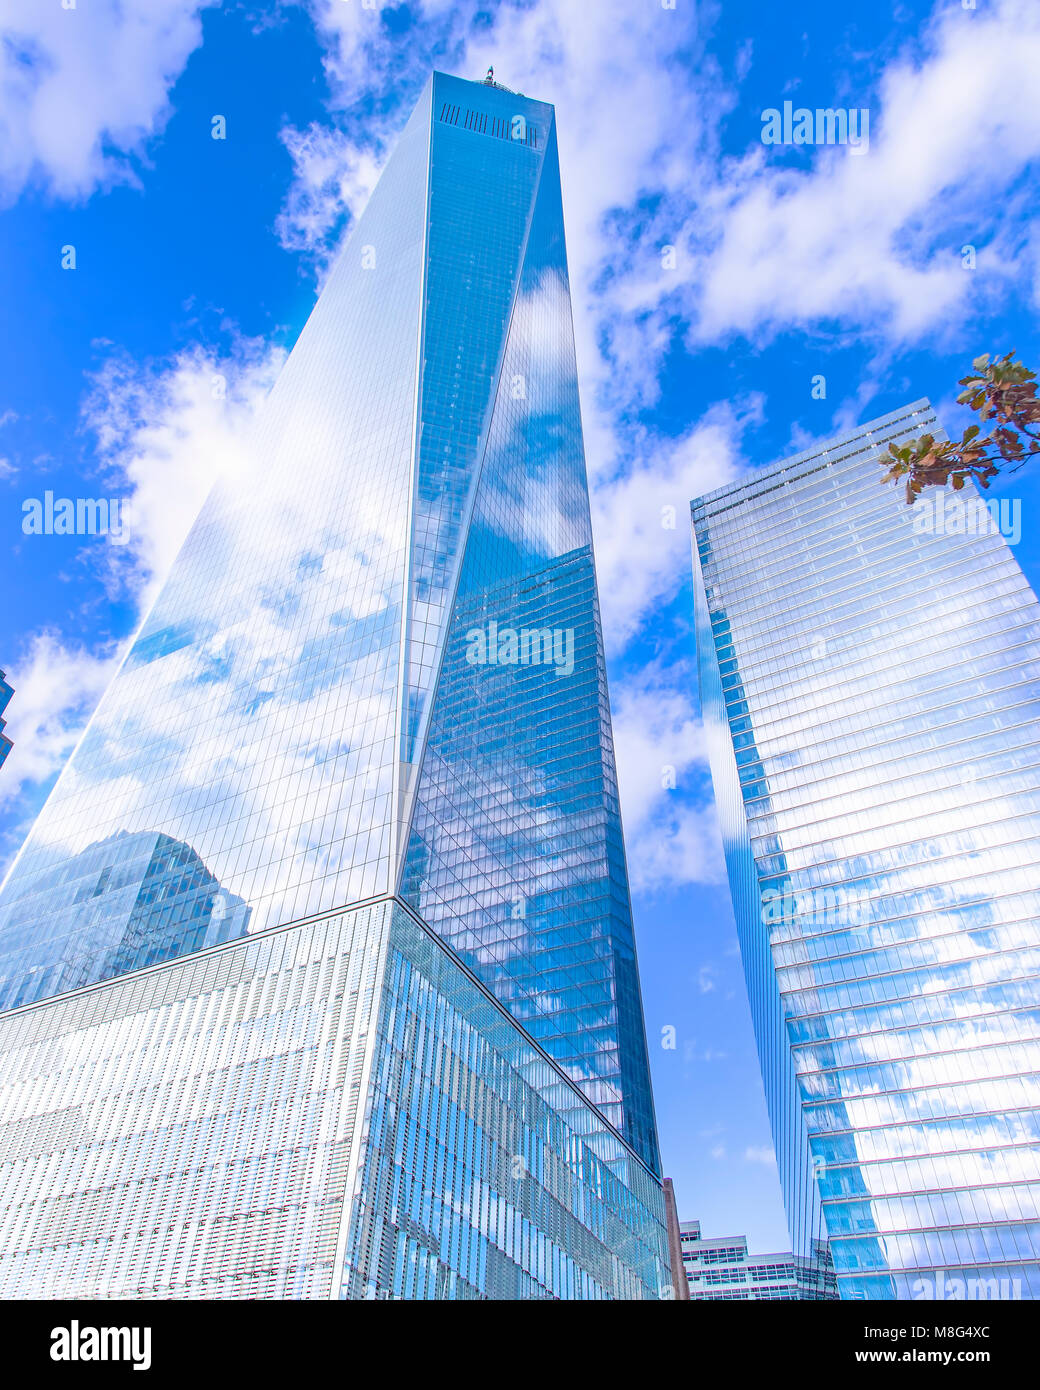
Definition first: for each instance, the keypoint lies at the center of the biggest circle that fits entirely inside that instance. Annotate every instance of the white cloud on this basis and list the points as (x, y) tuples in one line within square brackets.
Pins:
[(56, 688), (760, 1153), (762, 246), (83, 90), (331, 176), (336, 166), (874, 240), (641, 517), (670, 838), (686, 850), (164, 434)]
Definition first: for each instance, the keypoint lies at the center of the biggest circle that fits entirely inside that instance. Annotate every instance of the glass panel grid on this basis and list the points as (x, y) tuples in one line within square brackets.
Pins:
[(869, 691)]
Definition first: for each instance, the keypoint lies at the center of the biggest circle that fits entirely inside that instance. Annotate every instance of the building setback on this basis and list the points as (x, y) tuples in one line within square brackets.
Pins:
[(719, 1269)]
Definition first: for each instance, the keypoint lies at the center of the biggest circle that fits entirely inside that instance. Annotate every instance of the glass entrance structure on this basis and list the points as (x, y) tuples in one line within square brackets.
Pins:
[(317, 968)]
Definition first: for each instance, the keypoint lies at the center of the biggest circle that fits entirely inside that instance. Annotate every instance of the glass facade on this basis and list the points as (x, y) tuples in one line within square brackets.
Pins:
[(6, 692), (869, 686), (189, 1131), (375, 674), (720, 1270), (255, 718), (515, 852), (125, 902), (336, 1109), (485, 1173)]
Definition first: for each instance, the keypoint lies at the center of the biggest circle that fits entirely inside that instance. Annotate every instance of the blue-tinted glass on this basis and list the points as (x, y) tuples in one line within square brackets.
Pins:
[(484, 1175), (297, 741), (5, 698), (481, 190), (516, 854), (868, 674), (254, 720)]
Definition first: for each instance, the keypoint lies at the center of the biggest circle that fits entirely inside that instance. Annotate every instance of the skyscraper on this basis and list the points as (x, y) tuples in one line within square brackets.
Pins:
[(367, 715), (868, 681)]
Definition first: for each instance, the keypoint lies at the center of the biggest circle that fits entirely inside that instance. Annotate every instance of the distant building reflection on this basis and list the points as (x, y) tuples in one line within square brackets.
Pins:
[(128, 901)]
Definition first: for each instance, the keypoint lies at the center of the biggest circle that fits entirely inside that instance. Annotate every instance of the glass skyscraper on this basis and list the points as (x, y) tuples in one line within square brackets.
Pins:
[(317, 968), (868, 678)]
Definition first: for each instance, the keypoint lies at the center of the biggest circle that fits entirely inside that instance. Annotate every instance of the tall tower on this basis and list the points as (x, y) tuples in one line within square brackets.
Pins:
[(317, 966), (868, 680)]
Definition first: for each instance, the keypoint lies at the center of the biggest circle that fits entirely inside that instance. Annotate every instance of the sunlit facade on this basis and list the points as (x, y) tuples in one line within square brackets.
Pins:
[(869, 686), (317, 967)]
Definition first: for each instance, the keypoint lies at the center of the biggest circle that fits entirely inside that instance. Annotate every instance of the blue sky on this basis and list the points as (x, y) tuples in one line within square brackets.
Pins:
[(198, 260)]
